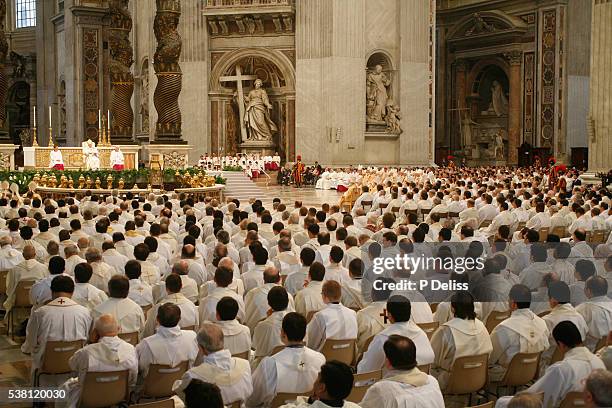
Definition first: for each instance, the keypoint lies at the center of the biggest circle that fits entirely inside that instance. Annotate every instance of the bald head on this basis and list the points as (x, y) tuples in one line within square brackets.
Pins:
[(6, 240), (180, 267), (106, 326), (83, 243), (271, 275), (71, 250), (29, 252), (227, 263)]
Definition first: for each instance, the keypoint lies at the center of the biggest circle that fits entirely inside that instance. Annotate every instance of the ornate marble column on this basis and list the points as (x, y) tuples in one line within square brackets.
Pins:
[(515, 59), (168, 71), (600, 115), (122, 80), (460, 79), (4, 136)]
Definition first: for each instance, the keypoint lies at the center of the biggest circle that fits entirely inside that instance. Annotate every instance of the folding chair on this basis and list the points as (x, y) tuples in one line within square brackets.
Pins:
[(489, 404), (160, 378), (453, 215), (167, 403), (574, 399), (598, 237), (543, 234), (425, 368), (523, 369), (341, 350), (485, 223), (496, 318), (382, 206), (22, 302), (361, 383), (559, 231), (192, 328), (429, 328), (365, 204), (104, 389), (283, 398), (395, 210), (244, 355), (3, 275), (55, 358), (277, 349), (434, 307), (468, 375), (131, 337)]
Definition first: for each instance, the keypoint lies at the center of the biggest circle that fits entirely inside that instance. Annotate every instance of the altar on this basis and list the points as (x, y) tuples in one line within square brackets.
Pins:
[(37, 157)]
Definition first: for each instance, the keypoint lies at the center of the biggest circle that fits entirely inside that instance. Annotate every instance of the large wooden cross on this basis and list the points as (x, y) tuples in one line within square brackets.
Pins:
[(239, 78)]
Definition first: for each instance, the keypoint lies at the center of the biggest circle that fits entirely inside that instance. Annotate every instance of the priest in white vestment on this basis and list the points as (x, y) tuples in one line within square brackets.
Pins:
[(295, 281), (56, 161), (256, 300), (596, 311), (107, 352), (117, 160), (140, 291), (29, 269), (41, 290), (568, 374), (232, 375), (334, 322), (85, 293), (522, 332), (404, 385), (127, 312), (464, 335), (169, 345), (292, 370), (207, 309), (62, 319), (102, 272), (308, 300), (71, 253), (372, 319), (267, 333), (398, 312), (236, 336), (90, 155)]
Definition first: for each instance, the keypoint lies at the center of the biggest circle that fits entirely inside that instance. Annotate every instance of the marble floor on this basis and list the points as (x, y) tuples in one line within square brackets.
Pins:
[(309, 196)]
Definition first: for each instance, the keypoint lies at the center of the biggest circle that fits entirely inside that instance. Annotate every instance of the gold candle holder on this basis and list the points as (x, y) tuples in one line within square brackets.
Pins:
[(89, 182), (109, 182), (121, 183), (34, 139), (98, 183), (81, 182), (50, 137)]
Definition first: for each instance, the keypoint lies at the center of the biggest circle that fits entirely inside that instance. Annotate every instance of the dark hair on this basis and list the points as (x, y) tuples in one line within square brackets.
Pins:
[(559, 291), (567, 333), (141, 252), (227, 308), (83, 272), (174, 283), (401, 352), (399, 308), (463, 303), (224, 276), (317, 271), (294, 326), (151, 243), (278, 299), (307, 256), (585, 269), (338, 379), (57, 265), (133, 269), (63, 284), (118, 287), (521, 295), (336, 254), (169, 314), (202, 394)]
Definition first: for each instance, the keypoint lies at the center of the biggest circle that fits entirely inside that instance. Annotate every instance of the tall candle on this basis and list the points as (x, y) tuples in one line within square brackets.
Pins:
[(108, 119), (50, 126), (99, 119), (34, 115)]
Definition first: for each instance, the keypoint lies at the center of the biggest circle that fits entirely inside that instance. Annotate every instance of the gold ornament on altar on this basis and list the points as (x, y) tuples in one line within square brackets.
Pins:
[(43, 180), (135, 187), (81, 182), (63, 181), (109, 182), (70, 183), (98, 183), (89, 182), (52, 182), (195, 181), (36, 178), (121, 183)]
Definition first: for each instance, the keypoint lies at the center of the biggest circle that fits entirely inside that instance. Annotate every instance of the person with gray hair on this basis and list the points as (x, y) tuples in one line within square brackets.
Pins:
[(71, 254), (598, 389), (107, 352), (28, 269), (189, 287), (102, 272), (232, 375)]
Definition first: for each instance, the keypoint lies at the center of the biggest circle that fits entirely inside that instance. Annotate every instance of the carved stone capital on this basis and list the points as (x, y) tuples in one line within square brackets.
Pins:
[(514, 57)]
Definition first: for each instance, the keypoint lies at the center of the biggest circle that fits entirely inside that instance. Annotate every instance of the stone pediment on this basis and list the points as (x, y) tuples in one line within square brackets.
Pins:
[(487, 27), (249, 17)]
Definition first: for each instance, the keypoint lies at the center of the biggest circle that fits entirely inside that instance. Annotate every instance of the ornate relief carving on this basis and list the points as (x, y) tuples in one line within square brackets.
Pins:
[(548, 77), (479, 26), (168, 71), (175, 160), (90, 81), (5, 161), (528, 97), (3, 53), (122, 80)]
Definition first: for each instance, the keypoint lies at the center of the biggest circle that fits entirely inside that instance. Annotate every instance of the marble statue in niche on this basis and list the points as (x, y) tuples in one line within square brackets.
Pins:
[(144, 99), (499, 102), (257, 114), (377, 96)]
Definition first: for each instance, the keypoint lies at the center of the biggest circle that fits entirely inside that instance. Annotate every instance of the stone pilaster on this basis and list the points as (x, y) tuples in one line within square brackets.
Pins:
[(515, 58), (4, 136)]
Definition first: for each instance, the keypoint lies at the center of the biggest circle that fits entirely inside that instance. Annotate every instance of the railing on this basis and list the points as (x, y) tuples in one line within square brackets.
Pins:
[(211, 4)]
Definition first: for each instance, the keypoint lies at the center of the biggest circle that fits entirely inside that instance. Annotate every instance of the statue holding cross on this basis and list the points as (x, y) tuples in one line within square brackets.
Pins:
[(255, 121)]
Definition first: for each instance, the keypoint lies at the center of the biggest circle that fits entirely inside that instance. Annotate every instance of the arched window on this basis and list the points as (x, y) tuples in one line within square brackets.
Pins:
[(25, 13)]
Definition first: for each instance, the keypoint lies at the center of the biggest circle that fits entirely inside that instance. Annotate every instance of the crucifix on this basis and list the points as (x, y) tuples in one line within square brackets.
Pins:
[(238, 78), (384, 315)]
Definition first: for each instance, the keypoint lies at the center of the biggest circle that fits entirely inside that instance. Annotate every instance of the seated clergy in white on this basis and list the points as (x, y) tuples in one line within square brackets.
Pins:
[(41, 290), (295, 281), (267, 333), (9, 257), (232, 375), (398, 312), (113, 258), (561, 309), (335, 270), (331, 388), (403, 385), (584, 269), (107, 352), (253, 277), (237, 337), (522, 332), (237, 285), (597, 389), (596, 311), (256, 300), (71, 255), (207, 308), (309, 298), (292, 370), (86, 294), (150, 272), (189, 311), (102, 272), (189, 287), (532, 275), (127, 312), (334, 322), (373, 318), (62, 319), (351, 289), (464, 335), (169, 345), (27, 270), (140, 292), (568, 374)]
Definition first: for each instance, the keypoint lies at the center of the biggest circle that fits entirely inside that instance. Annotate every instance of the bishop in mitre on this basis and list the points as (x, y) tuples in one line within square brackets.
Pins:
[(90, 155)]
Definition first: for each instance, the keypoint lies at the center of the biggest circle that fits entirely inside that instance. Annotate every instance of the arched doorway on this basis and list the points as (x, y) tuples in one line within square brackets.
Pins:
[(278, 77), (18, 115)]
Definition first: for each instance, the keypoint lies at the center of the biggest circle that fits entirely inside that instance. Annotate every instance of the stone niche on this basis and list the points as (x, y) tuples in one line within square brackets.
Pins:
[(382, 96)]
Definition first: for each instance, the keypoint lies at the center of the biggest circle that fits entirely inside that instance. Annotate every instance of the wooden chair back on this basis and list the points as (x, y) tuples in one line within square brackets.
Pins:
[(56, 356), (434, 306), (523, 368), (131, 338), (166, 403), (598, 237), (495, 318), (382, 206), (104, 389), (574, 399), (489, 404), (277, 349), (468, 375), (310, 315), (284, 398), (3, 275), (365, 204), (453, 215), (362, 382), (22, 294), (395, 210), (425, 368), (559, 231), (485, 223), (145, 309), (341, 350), (556, 356), (244, 355), (544, 234), (160, 378), (429, 328), (235, 404)]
